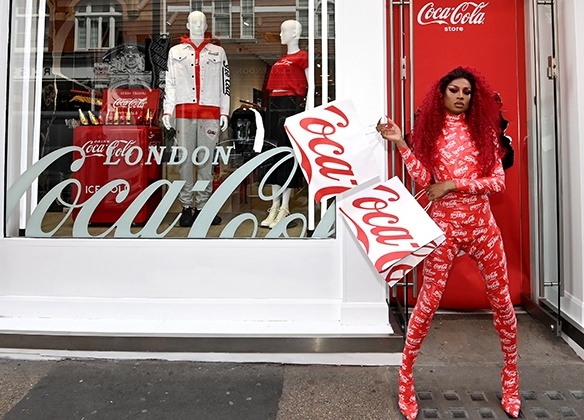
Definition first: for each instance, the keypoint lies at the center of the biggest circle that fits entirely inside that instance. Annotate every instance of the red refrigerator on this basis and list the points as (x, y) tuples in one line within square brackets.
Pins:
[(128, 147)]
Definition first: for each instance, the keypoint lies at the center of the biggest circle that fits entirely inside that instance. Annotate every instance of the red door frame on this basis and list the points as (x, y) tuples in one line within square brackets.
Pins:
[(488, 36)]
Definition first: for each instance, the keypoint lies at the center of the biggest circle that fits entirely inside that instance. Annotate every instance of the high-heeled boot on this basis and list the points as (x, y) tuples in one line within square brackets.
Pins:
[(417, 330), (506, 326), (406, 394), (511, 400)]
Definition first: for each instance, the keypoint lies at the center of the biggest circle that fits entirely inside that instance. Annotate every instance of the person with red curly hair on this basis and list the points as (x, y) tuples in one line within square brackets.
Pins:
[(456, 157)]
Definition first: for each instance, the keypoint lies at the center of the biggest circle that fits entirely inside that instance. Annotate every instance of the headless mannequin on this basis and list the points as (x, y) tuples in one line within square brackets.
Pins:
[(290, 31), (200, 105)]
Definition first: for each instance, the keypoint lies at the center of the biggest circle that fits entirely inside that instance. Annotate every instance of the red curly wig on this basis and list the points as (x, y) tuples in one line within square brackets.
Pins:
[(482, 118)]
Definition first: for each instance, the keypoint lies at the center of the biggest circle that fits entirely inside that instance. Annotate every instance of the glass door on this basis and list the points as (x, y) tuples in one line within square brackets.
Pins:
[(547, 149)]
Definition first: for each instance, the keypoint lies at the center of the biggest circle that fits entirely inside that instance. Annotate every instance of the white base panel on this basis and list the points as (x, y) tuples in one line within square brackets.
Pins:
[(168, 328), (346, 359)]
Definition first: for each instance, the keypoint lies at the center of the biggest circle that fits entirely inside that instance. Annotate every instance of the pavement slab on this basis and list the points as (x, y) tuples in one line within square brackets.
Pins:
[(103, 389)]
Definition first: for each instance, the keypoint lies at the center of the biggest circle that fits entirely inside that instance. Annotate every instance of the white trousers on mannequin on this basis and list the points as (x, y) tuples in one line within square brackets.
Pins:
[(193, 133)]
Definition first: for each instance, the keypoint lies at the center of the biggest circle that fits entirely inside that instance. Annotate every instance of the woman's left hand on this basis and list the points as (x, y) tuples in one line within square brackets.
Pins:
[(440, 189), (391, 132)]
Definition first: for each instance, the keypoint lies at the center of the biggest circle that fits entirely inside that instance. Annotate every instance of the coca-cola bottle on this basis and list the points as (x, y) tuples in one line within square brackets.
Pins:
[(148, 117), (82, 118), (116, 116), (93, 118), (139, 116), (129, 116), (109, 117)]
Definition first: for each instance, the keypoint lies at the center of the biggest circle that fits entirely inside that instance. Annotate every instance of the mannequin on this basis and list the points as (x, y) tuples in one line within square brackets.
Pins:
[(287, 87), (197, 94)]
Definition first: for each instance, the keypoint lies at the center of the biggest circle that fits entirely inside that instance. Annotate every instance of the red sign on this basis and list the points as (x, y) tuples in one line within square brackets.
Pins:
[(133, 106)]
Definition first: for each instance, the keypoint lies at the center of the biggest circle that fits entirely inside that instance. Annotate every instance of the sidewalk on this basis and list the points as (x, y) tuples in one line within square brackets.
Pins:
[(457, 376)]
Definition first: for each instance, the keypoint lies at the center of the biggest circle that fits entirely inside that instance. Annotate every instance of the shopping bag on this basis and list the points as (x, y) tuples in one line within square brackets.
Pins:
[(333, 148), (391, 227)]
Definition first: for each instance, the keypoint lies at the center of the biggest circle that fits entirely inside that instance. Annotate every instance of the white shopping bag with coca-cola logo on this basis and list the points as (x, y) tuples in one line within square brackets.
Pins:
[(334, 150), (391, 226)]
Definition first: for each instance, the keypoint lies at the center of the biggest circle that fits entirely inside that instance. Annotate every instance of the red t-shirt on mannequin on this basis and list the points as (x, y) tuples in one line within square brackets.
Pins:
[(288, 75)]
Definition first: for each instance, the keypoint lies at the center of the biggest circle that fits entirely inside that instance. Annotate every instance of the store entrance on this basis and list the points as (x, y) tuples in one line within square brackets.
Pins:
[(425, 40)]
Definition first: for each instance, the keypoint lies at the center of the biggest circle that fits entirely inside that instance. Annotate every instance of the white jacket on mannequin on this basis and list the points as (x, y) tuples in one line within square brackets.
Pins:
[(182, 85)]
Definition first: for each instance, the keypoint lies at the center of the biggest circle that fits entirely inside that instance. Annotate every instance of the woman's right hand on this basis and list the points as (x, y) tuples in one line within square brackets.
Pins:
[(391, 132)]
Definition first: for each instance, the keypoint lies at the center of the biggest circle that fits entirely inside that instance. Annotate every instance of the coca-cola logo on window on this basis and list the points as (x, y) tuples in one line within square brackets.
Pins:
[(454, 18)]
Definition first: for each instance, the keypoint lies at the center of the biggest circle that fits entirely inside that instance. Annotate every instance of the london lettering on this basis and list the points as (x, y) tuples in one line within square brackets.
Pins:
[(117, 150)]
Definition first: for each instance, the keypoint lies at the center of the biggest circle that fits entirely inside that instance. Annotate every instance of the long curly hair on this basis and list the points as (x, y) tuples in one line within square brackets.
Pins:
[(482, 118)]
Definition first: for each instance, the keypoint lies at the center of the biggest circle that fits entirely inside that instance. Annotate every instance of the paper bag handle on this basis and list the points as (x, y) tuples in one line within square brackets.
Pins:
[(417, 198)]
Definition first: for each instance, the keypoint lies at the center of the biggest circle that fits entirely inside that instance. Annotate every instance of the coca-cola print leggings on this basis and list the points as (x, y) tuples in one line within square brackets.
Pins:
[(481, 240)]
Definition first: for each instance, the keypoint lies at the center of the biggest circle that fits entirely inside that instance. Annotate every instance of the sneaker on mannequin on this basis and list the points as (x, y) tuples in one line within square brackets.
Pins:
[(283, 212), (186, 217), (272, 213)]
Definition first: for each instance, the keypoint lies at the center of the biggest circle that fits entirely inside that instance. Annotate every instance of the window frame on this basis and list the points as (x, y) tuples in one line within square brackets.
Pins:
[(243, 15), (114, 18), (223, 17)]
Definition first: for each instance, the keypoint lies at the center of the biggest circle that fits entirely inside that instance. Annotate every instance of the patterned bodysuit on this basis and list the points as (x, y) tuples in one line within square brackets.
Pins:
[(465, 217)]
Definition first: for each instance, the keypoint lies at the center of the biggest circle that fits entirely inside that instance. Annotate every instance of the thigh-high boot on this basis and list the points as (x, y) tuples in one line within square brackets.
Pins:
[(495, 274), (418, 327), (506, 325)]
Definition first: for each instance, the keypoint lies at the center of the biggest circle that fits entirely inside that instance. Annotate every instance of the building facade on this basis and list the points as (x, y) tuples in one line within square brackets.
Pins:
[(91, 243)]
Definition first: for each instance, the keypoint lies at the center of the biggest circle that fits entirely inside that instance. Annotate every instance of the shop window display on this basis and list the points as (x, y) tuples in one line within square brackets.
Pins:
[(100, 113)]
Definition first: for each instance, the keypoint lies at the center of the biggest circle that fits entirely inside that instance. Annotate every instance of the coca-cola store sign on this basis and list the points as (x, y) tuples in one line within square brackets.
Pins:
[(453, 18)]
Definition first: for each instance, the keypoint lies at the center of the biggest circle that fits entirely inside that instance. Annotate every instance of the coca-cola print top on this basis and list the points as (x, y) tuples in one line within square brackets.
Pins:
[(288, 75), (457, 161)]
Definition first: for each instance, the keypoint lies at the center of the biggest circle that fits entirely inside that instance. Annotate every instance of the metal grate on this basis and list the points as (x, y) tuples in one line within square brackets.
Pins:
[(554, 395), (479, 404), (540, 413), (528, 395), (568, 412), (430, 413), (451, 396), (477, 396), (486, 413), (459, 413), (425, 396)]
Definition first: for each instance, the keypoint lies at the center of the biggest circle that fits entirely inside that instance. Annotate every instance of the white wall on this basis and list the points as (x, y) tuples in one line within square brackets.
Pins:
[(361, 66), (571, 34)]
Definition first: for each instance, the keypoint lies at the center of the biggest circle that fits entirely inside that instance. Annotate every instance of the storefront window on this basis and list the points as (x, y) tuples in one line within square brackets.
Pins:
[(140, 119)]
